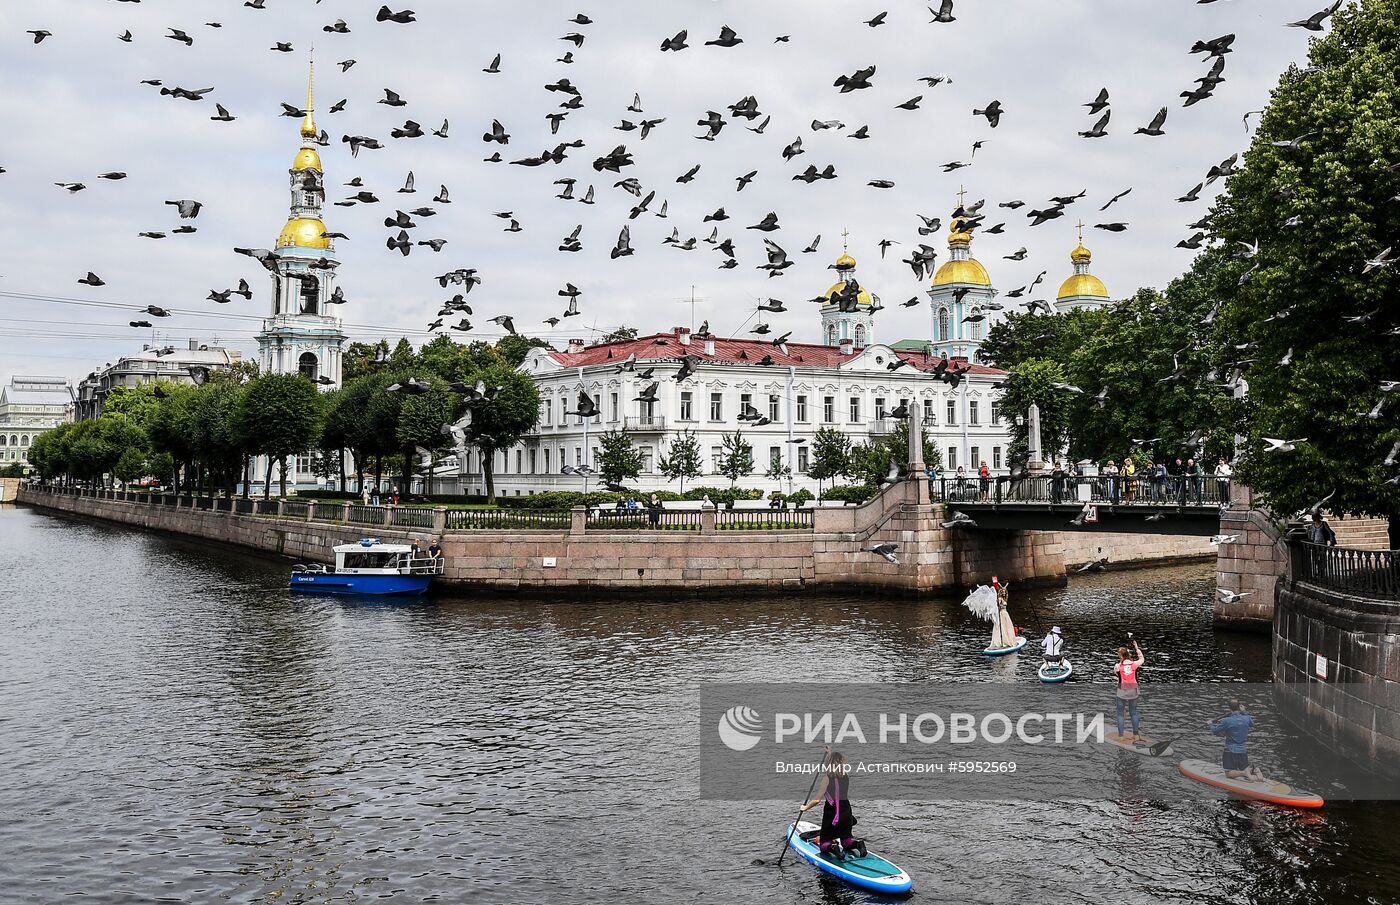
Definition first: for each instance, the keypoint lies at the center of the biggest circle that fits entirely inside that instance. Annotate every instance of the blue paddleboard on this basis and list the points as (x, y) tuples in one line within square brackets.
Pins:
[(871, 872), (1016, 645), (1055, 673)]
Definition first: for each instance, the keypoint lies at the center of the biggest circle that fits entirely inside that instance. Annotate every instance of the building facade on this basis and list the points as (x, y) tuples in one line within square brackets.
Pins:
[(303, 335), (169, 363), (28, 407)]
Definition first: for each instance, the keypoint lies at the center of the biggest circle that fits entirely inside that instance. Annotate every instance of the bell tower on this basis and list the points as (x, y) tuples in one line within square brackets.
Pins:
[(302, 335)]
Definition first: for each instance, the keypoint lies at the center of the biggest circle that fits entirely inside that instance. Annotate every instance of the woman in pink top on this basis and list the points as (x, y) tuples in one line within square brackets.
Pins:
[(1128, 691)]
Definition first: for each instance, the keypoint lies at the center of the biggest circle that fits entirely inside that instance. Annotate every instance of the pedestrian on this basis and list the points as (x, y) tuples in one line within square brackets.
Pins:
[(1178, 474), (396, 497), (374, 496), (1223, 473), (1110, 471), (1235, 726), (1128, 691), (985, 474), (435, 550), (960, 482), (654, 510), (1321, 533), (1130, 478), (1057, 481), (1195, 474), (364, 493), (1157, 478)]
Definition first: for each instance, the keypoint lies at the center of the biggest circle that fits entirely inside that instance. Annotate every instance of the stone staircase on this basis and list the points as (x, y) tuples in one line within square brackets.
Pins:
[(1361, 533)]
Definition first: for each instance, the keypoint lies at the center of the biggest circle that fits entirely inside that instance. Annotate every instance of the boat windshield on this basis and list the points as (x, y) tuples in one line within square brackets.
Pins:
[(358, 560)]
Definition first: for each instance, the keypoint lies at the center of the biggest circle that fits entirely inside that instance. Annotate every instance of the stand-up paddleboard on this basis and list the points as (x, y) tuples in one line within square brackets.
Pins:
[(1269, 790), (871, 872), (1055, 673), (1140, 744), (1016, 645)]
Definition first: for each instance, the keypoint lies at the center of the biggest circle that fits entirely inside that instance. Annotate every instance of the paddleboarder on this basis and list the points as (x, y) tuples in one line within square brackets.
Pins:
[(1054, 646), (1235, 727), (1128, 691), (833, 794), (1003, 629)]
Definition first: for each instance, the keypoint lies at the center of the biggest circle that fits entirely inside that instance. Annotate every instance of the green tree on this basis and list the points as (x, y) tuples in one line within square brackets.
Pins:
[(831, 455), (621, 334), (682, 458), (1318, 214), (131, 466), (279, 415), (870, 462), (618, 459), (512, 349), (502, 420), (736, 459), (217, 440), (421, 418), (1035, 381)]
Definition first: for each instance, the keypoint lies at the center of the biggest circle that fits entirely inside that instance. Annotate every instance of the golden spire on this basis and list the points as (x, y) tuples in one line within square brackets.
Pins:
[(845, 262), (1081, 255), (308, 125)]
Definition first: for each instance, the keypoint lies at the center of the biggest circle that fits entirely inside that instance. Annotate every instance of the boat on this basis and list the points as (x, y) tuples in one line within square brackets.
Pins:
[(1016, 645), (372, 568), (1055, 673), (1140, 744), (870, 872), (1269, 790)]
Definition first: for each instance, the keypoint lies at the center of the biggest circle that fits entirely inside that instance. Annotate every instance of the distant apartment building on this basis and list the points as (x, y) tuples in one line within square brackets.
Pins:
[(168, 363), (28, 407)]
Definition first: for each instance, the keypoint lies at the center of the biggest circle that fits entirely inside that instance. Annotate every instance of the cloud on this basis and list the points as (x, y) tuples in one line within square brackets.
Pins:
[(77, 108)]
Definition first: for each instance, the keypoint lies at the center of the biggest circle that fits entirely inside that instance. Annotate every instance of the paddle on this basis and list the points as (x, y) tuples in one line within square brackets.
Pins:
[(787, 840)]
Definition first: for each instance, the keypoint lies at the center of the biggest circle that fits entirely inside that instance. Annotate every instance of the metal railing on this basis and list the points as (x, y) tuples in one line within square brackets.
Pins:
[(643, 519), (763, 520), (294, 509), (508, 519), (366, 515), (410, 517), (1173, 490), (645, 423), (1374, 574)]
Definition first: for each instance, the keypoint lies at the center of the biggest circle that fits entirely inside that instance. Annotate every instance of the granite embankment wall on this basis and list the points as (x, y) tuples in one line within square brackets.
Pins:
[(829, 555)]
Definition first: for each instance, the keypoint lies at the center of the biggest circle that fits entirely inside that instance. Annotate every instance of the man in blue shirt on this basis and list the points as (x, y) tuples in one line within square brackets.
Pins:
[(1235, 727)]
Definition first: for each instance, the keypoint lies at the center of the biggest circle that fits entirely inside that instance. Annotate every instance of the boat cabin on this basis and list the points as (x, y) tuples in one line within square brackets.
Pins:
[(370, 557)]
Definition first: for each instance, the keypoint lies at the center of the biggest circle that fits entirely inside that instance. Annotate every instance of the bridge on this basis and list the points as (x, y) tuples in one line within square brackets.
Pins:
[(1172, 505)]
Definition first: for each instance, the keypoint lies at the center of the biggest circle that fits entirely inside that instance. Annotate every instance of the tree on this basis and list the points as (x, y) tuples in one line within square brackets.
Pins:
[(621, 334), (513, 348), (280, 415), (216, 439), (1317, 214), (870, 462), (682, 458), (618, 459), (132, 466), (736, 459), (500, 421), (777, 469), (831, 455), (420, 424), (170, 426)]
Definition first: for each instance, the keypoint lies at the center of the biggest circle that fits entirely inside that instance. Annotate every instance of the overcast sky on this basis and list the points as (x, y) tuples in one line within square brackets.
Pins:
[(73, 107)]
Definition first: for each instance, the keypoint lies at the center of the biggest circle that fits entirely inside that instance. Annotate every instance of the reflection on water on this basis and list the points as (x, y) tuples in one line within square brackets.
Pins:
[(177, 727)]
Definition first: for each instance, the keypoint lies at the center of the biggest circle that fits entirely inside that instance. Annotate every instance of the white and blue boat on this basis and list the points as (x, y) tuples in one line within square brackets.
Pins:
[(371, 568)]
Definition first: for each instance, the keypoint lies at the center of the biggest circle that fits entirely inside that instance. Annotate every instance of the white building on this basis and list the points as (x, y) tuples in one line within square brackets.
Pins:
[(170, 364), (28, 407)]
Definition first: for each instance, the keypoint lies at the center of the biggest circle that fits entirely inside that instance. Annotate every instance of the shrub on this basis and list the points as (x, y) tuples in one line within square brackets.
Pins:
[(800, 498), (850, 493)]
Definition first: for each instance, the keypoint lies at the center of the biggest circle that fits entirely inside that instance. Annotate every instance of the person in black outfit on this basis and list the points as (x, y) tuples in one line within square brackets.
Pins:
[(654, 510)]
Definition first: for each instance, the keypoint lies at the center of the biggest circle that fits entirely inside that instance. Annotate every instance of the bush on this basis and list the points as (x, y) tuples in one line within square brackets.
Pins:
[(850, 493), (800, 498)]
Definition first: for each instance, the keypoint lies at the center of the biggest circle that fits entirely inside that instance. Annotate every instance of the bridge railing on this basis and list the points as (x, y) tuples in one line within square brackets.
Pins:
[(1173, 490), (1373, 574)]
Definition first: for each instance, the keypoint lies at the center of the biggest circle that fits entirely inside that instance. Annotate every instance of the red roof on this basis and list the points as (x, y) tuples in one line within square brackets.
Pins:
[(668, 347)]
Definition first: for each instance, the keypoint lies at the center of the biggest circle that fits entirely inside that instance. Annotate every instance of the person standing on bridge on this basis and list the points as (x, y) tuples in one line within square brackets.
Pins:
[(1128, 691), (1223, 473), (1321, 533), (1129, 478)]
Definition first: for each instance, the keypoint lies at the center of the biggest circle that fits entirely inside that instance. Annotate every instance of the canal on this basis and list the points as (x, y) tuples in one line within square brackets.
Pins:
[(175, 727)]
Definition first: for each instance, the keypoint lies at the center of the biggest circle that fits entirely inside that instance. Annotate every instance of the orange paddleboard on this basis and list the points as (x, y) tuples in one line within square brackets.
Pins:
[(1269, 790)]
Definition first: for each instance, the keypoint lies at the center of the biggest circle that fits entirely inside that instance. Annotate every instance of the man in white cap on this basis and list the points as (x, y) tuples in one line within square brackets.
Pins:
[(1054, 646)]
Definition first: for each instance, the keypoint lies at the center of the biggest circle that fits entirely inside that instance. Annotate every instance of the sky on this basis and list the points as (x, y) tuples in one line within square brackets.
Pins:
[(74, 108)]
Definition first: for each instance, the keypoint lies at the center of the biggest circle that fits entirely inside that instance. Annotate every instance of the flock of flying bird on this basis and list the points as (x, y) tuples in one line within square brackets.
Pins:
[(746, 111)]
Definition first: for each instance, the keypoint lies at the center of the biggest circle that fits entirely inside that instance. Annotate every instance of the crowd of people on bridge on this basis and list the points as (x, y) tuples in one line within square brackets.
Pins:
[(1182, 481)]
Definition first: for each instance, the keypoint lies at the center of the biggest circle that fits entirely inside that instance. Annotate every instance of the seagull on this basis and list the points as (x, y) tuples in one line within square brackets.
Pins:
[(960, 520), (1283, 445), (1231, 596), (1096, 566), (1224, 539)]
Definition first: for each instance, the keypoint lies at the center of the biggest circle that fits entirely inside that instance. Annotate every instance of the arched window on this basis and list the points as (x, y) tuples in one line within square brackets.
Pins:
[(310, 294), (307, 365), (944, 327), (860, 335), (831, 334), (2, 439), (24, 440), (977, 325)]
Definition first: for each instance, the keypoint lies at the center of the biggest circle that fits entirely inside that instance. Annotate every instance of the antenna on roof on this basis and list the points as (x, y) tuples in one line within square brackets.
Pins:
[(692, 300)]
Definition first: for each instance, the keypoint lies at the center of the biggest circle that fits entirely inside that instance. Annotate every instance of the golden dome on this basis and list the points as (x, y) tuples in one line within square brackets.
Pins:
[(1083, 284), (862, 297), (845, 262), (1081, 255), (308, 159), (303, 232), (968, 271)]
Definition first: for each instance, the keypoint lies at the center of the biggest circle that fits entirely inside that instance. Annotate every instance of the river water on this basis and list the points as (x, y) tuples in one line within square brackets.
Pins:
[(176, 727)]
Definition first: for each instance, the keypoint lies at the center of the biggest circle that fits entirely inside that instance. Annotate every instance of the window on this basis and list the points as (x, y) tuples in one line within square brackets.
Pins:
[(879, 406), (745, 403), (802, 459), (995, 415), (775, 458), (647, 457), (307, 365), (773, 414), (801, 408), (520, 461), (505, 461), (943, 325), (831, 334), (578, 456), (828, 409), (612, 406), (310, 294), (24, 440), (716, 453), (302, 465), (952, 412), (860, 335), (2, 439), (928, 411), (996, 457), (716, 407), (547, 412), (952, 458), (687, 405), (972, 417), (546, 461), (975, 459), (855, 409), (977, 325)]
